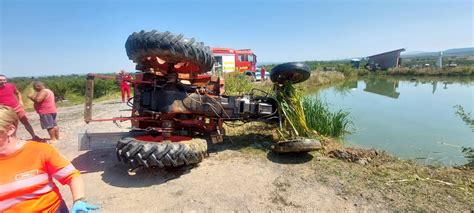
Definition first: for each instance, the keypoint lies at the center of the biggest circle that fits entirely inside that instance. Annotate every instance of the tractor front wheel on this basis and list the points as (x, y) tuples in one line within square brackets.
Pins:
[(290, 72), (138, 153)]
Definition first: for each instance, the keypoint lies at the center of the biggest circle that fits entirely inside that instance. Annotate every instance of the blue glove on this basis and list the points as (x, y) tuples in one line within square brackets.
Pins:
[(81, 206)]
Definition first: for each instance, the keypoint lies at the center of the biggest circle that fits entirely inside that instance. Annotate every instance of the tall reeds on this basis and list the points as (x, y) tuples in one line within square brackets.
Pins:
[(324, 121), (291, 109), (309, 116)]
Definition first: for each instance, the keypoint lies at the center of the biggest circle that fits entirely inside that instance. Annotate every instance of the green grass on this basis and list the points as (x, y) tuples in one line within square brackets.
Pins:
[(305, 115), (445, 71), (320, 118), (63, 86), (72, 99), (237, 84)]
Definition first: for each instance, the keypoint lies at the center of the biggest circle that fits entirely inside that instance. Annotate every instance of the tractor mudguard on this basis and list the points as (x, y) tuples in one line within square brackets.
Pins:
[(290, 72)]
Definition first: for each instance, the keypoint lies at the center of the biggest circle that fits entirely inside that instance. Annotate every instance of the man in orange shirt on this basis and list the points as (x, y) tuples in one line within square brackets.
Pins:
[(27, 172)]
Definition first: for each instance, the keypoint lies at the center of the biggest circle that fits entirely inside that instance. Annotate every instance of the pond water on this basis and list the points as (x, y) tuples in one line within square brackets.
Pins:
[(410, 117)]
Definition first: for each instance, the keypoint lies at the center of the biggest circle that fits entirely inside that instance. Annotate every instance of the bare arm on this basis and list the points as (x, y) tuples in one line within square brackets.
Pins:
[(39, 97), (18, 96), (77, 188)]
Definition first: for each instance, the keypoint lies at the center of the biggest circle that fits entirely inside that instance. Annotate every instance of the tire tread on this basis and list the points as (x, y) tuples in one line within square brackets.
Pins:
[(167, 154)]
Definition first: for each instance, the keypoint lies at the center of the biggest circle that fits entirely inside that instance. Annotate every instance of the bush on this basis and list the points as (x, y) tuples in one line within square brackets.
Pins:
[(237, 83), (445, 71), (70, 84)]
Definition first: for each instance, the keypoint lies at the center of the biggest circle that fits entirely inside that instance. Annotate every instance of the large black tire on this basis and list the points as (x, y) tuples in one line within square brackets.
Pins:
[(290, 72), (138, 153), (169, 47)]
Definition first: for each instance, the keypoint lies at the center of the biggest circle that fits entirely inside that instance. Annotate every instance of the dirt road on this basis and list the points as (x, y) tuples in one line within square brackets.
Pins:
[(226, 180)]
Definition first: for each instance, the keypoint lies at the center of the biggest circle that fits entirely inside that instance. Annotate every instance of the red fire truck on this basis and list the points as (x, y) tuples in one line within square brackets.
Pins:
[(230, 60)]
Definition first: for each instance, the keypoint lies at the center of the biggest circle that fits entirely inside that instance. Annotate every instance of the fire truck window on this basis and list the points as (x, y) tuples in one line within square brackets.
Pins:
[(241, 58), (250, 58)]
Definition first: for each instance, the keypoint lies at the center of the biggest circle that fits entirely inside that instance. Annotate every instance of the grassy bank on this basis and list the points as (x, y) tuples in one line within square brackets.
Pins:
[(238, 84), (406, 71), (431, 71)]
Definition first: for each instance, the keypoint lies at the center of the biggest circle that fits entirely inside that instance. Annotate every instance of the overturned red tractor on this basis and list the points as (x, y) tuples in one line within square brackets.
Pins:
[(178, 103)]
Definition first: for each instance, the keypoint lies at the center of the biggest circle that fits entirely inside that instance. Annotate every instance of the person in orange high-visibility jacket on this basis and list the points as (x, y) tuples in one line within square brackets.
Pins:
[(27, 169)]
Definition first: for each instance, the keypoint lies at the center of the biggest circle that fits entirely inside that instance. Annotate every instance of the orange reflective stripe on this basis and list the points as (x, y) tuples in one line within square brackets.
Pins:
[(20, 184), (64, 172), (5, 204)]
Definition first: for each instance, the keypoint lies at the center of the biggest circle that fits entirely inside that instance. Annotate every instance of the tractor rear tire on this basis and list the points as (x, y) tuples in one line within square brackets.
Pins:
[(137, 153), (169, 47)]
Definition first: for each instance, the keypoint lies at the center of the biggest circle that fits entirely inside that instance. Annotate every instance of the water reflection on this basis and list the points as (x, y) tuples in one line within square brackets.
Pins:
[(346, 87), (387, 86), (434, 83), (382, 86), (410, 116)]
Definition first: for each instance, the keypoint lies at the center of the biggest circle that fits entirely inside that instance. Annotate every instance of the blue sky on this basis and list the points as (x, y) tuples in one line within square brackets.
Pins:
[(79, 36)]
